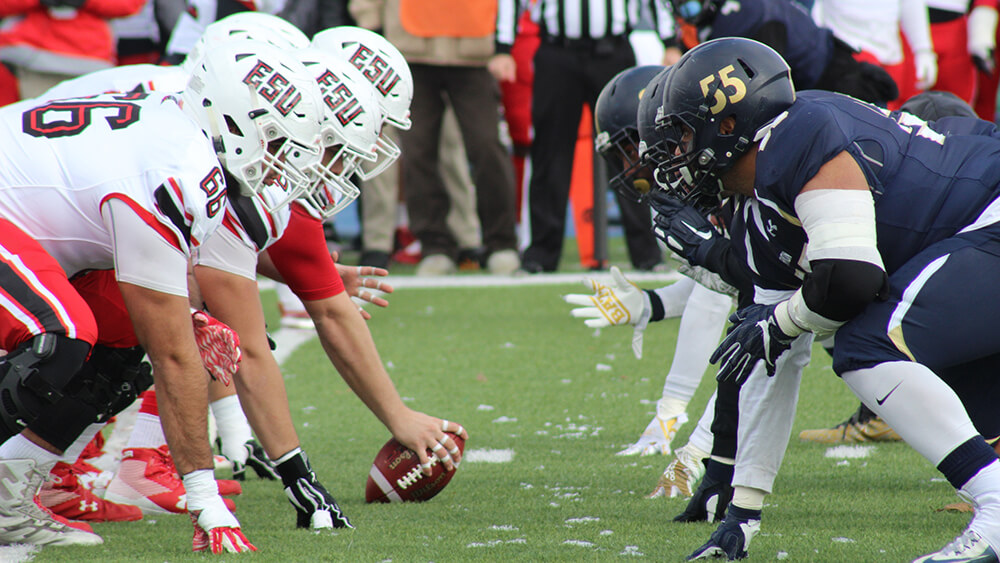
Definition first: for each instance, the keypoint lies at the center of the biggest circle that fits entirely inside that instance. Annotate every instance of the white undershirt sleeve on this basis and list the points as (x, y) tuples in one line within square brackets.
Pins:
[(142, 256)]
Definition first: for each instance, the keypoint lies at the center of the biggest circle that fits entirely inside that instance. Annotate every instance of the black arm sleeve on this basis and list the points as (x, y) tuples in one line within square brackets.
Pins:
[(731, 268)]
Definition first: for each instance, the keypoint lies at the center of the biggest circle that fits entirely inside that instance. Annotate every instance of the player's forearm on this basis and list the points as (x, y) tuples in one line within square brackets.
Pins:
[(349, 345), (265, 403), (182, 397)]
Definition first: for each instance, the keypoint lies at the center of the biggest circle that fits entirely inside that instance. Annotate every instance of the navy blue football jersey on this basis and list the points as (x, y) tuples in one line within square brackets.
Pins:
[(772, 245), (926, 185), (807, 47)]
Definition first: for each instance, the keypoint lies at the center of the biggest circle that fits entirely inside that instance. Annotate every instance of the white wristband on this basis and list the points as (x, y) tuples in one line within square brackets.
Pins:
[(795, 317), (201, 488)]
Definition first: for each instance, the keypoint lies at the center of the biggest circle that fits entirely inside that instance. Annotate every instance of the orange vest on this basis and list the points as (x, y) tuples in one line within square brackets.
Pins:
[(448, 18)]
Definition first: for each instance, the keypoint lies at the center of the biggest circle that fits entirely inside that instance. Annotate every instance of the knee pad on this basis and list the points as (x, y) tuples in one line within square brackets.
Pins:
[(108, 381), (34, 376)]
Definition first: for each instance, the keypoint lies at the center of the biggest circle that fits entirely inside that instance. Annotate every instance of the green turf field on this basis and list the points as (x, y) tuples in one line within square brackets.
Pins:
[(534, 385)]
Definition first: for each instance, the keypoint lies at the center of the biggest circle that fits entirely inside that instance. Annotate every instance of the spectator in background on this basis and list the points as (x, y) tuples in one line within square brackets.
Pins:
[(582, 48), (817, 57), (447, 46), (874, 29), (958, 39), (44, 42), (142, 37), (312, 16)]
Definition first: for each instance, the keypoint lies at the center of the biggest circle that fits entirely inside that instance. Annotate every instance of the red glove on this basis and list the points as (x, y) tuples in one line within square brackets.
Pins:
[(219, 539), (219, 346)]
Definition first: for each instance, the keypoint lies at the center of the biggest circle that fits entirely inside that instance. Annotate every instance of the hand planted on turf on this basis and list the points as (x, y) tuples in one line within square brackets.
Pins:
[(620, 303), (656, 438), (219, 346), (731, 540), (422, 433), (315, 507), (357, 285), (754, 336), (216, 528), (684, 229)]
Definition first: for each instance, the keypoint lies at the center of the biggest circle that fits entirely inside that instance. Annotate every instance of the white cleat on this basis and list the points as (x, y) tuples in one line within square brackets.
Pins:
[(656, 438), (680, 478), (24, 520), (969, 547)]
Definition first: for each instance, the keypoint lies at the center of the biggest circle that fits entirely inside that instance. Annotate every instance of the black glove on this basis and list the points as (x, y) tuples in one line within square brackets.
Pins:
[(731, 539), (684, 229), (713, 495), (755, 335), (315, 507), (62, 3)]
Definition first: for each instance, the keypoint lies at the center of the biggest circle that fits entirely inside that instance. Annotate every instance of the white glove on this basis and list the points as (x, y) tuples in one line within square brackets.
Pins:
[(982, 37), (620, 303), (926, 69)]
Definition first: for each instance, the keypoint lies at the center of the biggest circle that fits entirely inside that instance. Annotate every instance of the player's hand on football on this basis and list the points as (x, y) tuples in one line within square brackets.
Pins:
[(619, 303), (359, 285), (429, 437), (219, 346)]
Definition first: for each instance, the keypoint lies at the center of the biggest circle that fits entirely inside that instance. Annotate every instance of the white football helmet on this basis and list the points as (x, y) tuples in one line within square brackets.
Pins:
[(386, 68), (246, 25), (263, 112), (350, 131)]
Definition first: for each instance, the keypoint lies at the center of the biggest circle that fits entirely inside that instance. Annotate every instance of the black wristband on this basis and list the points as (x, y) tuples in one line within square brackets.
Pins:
[(656, 305)]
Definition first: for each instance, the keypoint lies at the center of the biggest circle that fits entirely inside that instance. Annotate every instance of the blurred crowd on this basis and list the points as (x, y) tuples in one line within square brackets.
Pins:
[(501, 142)]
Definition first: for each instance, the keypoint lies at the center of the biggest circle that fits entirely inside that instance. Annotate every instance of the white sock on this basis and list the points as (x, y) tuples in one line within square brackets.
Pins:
[(984, 488), (234, 430), (748, 497), (19, 447), (147, 432), (670, 407), (914, 401)]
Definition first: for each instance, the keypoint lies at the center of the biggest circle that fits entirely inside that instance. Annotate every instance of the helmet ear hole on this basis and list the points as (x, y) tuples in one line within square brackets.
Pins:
[(727, 125), (233, 127)]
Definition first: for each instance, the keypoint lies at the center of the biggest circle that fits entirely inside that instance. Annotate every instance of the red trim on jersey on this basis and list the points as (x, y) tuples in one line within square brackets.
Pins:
[(230, 222), (159, 226), (303, 259), (37, 296), (180, 197)]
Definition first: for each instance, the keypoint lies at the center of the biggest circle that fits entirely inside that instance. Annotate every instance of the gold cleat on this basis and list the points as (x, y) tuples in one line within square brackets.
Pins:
[(863, 426)]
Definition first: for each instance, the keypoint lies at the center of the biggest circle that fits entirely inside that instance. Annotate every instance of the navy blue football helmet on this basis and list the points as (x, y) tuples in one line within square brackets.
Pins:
[(616, 131), (716, 99)]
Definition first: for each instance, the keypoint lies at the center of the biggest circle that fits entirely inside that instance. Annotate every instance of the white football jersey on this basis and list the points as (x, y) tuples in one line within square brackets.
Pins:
[(70, 168), (124, 78)]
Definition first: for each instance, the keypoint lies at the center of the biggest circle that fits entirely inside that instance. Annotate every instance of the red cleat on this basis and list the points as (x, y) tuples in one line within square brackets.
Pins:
[(66, 496)]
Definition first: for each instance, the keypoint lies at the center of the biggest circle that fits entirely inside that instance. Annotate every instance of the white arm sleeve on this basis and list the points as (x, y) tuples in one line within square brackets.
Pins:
[(227, 252), (142, 256)]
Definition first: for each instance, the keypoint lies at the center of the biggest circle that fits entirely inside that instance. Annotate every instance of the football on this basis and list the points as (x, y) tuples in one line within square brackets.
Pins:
[(395, 475)]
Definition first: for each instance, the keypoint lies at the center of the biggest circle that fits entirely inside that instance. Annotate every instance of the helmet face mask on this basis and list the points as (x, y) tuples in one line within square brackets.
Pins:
[(385, 68), (350, 131), (262, 112), (717, 98), (617, 139)]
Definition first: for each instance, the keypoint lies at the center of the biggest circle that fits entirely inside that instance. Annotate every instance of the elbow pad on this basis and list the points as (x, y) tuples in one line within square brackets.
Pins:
[(840, 289), (832, 294)]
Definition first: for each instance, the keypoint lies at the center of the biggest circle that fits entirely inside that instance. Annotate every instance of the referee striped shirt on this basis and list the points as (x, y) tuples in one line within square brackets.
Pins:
[(583, 19)]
